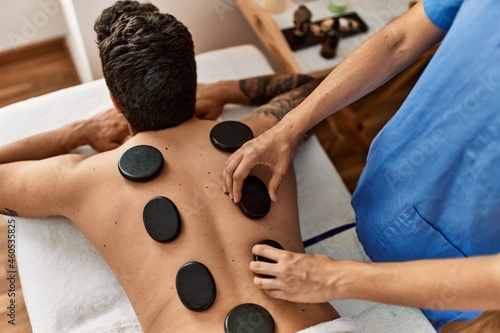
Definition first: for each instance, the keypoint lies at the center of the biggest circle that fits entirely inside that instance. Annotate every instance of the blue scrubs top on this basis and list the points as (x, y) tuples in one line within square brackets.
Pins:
[(431, 186)]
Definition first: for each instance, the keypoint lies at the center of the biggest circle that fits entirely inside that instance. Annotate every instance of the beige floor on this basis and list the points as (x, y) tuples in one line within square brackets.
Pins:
[(35, 70)]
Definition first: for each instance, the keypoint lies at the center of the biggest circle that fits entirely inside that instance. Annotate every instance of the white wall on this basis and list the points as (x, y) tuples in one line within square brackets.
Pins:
[(29, 21), (214, 24)]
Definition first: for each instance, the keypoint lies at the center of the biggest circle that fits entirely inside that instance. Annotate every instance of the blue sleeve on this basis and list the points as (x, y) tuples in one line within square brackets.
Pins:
[(442, 12)]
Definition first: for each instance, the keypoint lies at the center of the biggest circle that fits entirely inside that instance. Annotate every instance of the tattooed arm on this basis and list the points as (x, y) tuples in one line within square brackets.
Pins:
[(262, 89), (288, 93), (211, 98)]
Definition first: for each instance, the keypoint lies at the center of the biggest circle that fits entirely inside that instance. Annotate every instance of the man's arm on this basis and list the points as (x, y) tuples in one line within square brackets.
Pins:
[(262, 89), (211, 98), (281, 94), (104, 131), (459, 284), (33, 188), (40, 188)]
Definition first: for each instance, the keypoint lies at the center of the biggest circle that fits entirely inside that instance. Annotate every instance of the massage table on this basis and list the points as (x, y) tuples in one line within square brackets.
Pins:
[(68, 287)]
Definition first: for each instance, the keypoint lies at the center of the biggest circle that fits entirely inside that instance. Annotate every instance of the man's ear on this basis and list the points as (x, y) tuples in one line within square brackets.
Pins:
[(114, 103)]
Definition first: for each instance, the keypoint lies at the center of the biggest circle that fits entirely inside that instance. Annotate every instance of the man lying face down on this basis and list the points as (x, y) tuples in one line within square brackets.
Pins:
[(153, 207)]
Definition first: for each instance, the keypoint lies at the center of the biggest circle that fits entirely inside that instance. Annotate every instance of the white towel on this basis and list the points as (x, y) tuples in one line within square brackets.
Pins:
[(340, 325), (389, 318)]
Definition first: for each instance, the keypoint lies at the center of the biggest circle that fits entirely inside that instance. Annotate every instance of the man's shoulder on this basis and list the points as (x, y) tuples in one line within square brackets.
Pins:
[(79, 169)]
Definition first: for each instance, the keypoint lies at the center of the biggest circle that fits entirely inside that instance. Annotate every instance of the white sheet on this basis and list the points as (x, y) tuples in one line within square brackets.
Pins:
[(66, 284)]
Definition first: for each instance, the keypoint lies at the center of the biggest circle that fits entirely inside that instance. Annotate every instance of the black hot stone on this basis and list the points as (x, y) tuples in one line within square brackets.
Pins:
[(249, 318), (229, 136), (255, 201), (195, 286), (161, 219), (141, 163), (272, 243)]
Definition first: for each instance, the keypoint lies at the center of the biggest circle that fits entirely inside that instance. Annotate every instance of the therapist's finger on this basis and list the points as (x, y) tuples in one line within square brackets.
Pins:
[(263, 268), (236, 170), (227, 174), (274, 184), (267, 283), (267, 251), (239, 175)]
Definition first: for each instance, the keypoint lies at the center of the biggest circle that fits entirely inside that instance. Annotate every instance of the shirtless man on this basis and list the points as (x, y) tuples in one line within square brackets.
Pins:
[(108, 209)]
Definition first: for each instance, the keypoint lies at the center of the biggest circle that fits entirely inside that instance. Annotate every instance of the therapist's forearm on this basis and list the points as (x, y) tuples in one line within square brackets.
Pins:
[(44, 145), (460, 284), (376, 61)]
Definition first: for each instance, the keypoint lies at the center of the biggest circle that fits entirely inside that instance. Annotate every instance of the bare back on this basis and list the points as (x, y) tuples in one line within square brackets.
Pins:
[(213, 231)]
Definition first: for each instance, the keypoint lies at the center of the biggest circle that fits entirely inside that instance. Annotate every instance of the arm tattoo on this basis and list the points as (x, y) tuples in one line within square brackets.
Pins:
[(263, 88), (8, 212), (280, 105)]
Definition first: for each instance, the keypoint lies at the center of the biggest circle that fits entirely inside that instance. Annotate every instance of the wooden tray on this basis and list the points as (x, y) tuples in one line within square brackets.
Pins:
[(310, 40)]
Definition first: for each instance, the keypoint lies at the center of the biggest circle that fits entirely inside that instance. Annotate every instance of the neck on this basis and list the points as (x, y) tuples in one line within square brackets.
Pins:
[(188, 123)]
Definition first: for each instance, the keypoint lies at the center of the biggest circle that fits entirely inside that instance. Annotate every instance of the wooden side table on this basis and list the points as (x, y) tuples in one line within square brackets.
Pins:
[(268, 26)]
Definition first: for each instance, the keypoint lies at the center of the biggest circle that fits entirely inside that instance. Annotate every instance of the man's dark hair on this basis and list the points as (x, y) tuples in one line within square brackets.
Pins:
[(110, 15), (149, 66)]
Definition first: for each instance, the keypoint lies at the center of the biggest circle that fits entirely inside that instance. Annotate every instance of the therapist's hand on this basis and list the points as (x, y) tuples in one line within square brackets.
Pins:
[(274, 148), (301, 278), (106, 130)]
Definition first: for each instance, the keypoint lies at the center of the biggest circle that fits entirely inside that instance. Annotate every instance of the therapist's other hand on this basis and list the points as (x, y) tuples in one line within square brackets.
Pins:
[(299, 277), (106, 130), (274, 148)]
